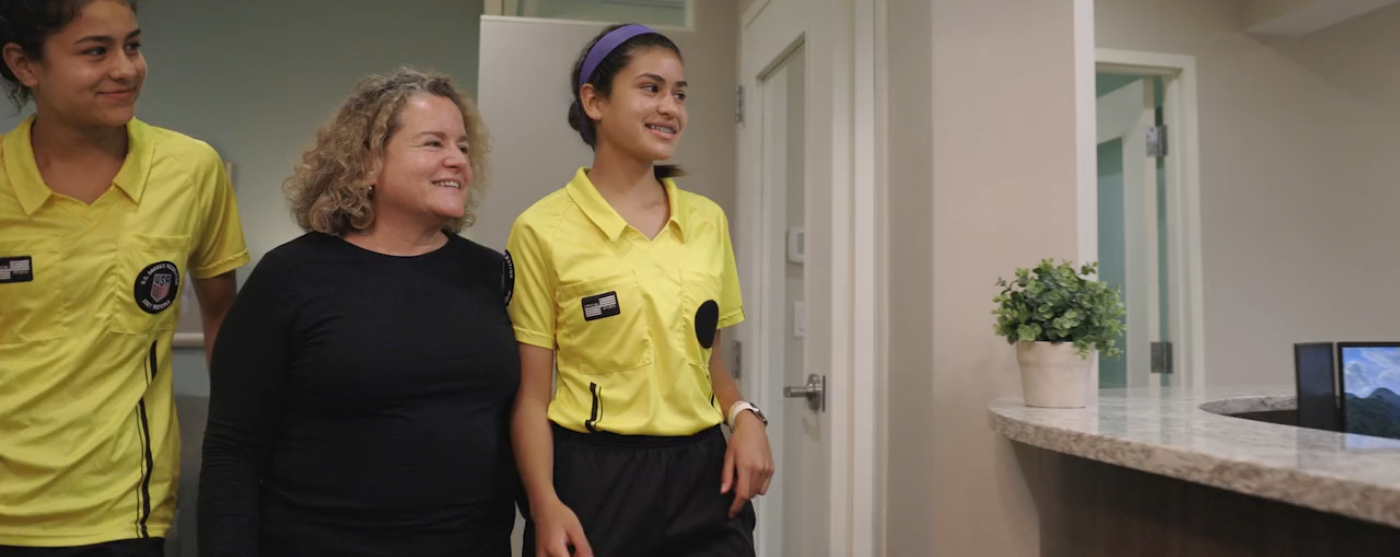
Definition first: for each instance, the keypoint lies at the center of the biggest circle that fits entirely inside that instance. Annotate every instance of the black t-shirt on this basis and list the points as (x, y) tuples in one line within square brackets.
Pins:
[(360, 405)]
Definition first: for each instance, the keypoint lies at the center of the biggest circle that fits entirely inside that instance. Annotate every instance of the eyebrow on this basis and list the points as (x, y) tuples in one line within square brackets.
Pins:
[(656, 77), (441, 135), (106, 39)]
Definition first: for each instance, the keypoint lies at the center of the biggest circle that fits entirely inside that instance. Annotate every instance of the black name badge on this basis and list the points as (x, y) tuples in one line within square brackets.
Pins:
[(16, 269), (600, 306)]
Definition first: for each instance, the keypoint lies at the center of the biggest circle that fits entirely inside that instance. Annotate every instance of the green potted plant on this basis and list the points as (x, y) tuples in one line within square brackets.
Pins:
[(1058, 318)]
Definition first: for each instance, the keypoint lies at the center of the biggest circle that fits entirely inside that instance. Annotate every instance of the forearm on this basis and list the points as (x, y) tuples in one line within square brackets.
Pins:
[(216, 295), (211, 333), (245, 406), (228, 507), (721, 381), (725, 388), (244, 403), (533, 443), (531, 435)]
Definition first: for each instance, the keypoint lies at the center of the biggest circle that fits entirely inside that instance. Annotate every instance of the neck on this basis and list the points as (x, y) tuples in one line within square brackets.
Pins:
[(390, 235), (54, 140), (618, 174)]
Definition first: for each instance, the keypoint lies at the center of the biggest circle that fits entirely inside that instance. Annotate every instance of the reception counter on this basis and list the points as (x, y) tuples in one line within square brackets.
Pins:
[(1220, 473)]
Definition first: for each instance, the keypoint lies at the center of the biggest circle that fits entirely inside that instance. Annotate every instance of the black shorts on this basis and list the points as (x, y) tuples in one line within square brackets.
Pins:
[(643, 496), (144, 547)]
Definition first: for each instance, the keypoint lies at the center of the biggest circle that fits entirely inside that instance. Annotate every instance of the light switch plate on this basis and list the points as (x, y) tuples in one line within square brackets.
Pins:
[(796, 244)]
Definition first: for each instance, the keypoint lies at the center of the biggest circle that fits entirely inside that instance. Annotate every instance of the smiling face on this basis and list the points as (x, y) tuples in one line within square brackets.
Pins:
[(644, 114), (91, 71), (425, 172)]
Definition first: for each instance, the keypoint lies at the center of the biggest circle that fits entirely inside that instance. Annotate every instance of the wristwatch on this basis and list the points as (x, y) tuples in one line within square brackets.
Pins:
[(742, 406)]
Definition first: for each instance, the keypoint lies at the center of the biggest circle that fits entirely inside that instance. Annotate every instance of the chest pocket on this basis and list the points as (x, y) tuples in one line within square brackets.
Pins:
[(31, 291), (603, 325), (700, 313), (143, 291)]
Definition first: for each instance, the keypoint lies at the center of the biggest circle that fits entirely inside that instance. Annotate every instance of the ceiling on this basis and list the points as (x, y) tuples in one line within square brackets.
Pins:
[(1297, 18)]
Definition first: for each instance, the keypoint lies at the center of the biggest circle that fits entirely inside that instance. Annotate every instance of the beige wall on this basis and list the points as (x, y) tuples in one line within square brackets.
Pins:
[(1297, 178), (981, 181), (909, 483)]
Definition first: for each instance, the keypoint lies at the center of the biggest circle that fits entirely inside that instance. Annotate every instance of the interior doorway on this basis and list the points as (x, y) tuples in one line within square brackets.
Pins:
[(1147, 222)]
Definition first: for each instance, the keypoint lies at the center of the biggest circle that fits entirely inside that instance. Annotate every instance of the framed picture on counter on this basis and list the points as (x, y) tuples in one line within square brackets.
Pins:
[(1370, 397)]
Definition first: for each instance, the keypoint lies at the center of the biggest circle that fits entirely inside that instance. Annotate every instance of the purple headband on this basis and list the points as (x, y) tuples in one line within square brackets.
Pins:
[(605, 46)]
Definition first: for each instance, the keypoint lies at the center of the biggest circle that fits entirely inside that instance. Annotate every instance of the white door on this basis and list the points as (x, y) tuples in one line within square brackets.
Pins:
[(780, 116), (1132, 235), (801, 161)]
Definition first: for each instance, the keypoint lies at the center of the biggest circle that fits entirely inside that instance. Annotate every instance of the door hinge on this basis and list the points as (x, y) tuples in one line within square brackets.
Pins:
[(1157, 141), (739, 105), (1162, 361), (737, 370)]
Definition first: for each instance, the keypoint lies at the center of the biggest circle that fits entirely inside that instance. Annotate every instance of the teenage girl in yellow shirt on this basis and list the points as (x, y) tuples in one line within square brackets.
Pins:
[(624, 281), (101, 217)]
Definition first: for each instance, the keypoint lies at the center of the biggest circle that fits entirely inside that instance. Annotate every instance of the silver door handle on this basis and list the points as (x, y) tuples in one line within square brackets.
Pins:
[(814, 391)]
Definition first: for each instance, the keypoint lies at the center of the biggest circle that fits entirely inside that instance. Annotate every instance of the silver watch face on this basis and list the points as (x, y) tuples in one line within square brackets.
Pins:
[(759, 413)]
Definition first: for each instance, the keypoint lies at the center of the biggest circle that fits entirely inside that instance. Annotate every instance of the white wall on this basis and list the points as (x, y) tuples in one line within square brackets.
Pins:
[(1297, 178), (255, 80)]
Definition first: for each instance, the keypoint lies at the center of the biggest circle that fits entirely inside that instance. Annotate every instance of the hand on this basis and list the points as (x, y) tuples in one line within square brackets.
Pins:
[(556, 530), (748, 460)]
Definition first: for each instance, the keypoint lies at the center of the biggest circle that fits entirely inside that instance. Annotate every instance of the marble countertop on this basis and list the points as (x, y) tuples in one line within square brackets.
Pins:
[(1189, 436)]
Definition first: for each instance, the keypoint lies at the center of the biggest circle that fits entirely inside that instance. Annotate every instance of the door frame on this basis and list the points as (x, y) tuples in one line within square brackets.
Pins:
[(1183, 189), (845, 95)]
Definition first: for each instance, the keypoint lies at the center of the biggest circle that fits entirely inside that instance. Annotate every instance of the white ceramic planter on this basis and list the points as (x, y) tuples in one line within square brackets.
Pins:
[(1053, 375)]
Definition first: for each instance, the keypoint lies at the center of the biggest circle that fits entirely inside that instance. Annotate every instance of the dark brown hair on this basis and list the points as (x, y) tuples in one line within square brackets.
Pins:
[(28, 23), (602, 79)]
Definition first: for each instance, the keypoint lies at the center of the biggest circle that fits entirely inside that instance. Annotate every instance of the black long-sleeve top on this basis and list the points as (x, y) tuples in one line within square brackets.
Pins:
[(360, 406)]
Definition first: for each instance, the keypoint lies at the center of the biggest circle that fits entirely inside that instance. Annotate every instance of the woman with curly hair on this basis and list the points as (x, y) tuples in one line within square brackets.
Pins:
[(362, 384)]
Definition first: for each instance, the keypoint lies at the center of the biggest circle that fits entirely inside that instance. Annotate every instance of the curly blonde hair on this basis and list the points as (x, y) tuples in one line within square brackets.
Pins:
[(329, 192)]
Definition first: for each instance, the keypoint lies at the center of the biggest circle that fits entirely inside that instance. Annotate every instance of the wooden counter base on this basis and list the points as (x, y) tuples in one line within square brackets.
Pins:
[(1092, 509)]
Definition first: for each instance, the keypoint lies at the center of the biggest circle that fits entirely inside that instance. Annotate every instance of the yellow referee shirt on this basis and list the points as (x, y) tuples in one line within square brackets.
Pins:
[(632, 320), (89, 298)]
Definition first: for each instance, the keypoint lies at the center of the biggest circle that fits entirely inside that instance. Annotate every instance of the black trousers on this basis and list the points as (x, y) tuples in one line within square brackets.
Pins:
[(642, 496), (145, 547)]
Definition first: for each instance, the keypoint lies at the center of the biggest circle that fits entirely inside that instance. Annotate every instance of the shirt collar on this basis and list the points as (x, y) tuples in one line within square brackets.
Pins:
[(28, 183), (586, 195)]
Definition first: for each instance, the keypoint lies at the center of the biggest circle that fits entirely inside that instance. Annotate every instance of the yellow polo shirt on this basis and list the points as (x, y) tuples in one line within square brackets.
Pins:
[(89, 299), (632, 320)]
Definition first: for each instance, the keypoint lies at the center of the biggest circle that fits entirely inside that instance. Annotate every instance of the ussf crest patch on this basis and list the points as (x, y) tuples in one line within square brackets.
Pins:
[(157, 287)]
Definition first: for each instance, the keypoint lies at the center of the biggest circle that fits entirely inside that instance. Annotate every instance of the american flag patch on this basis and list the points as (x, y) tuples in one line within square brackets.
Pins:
[(16, 269), (600, 306)]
